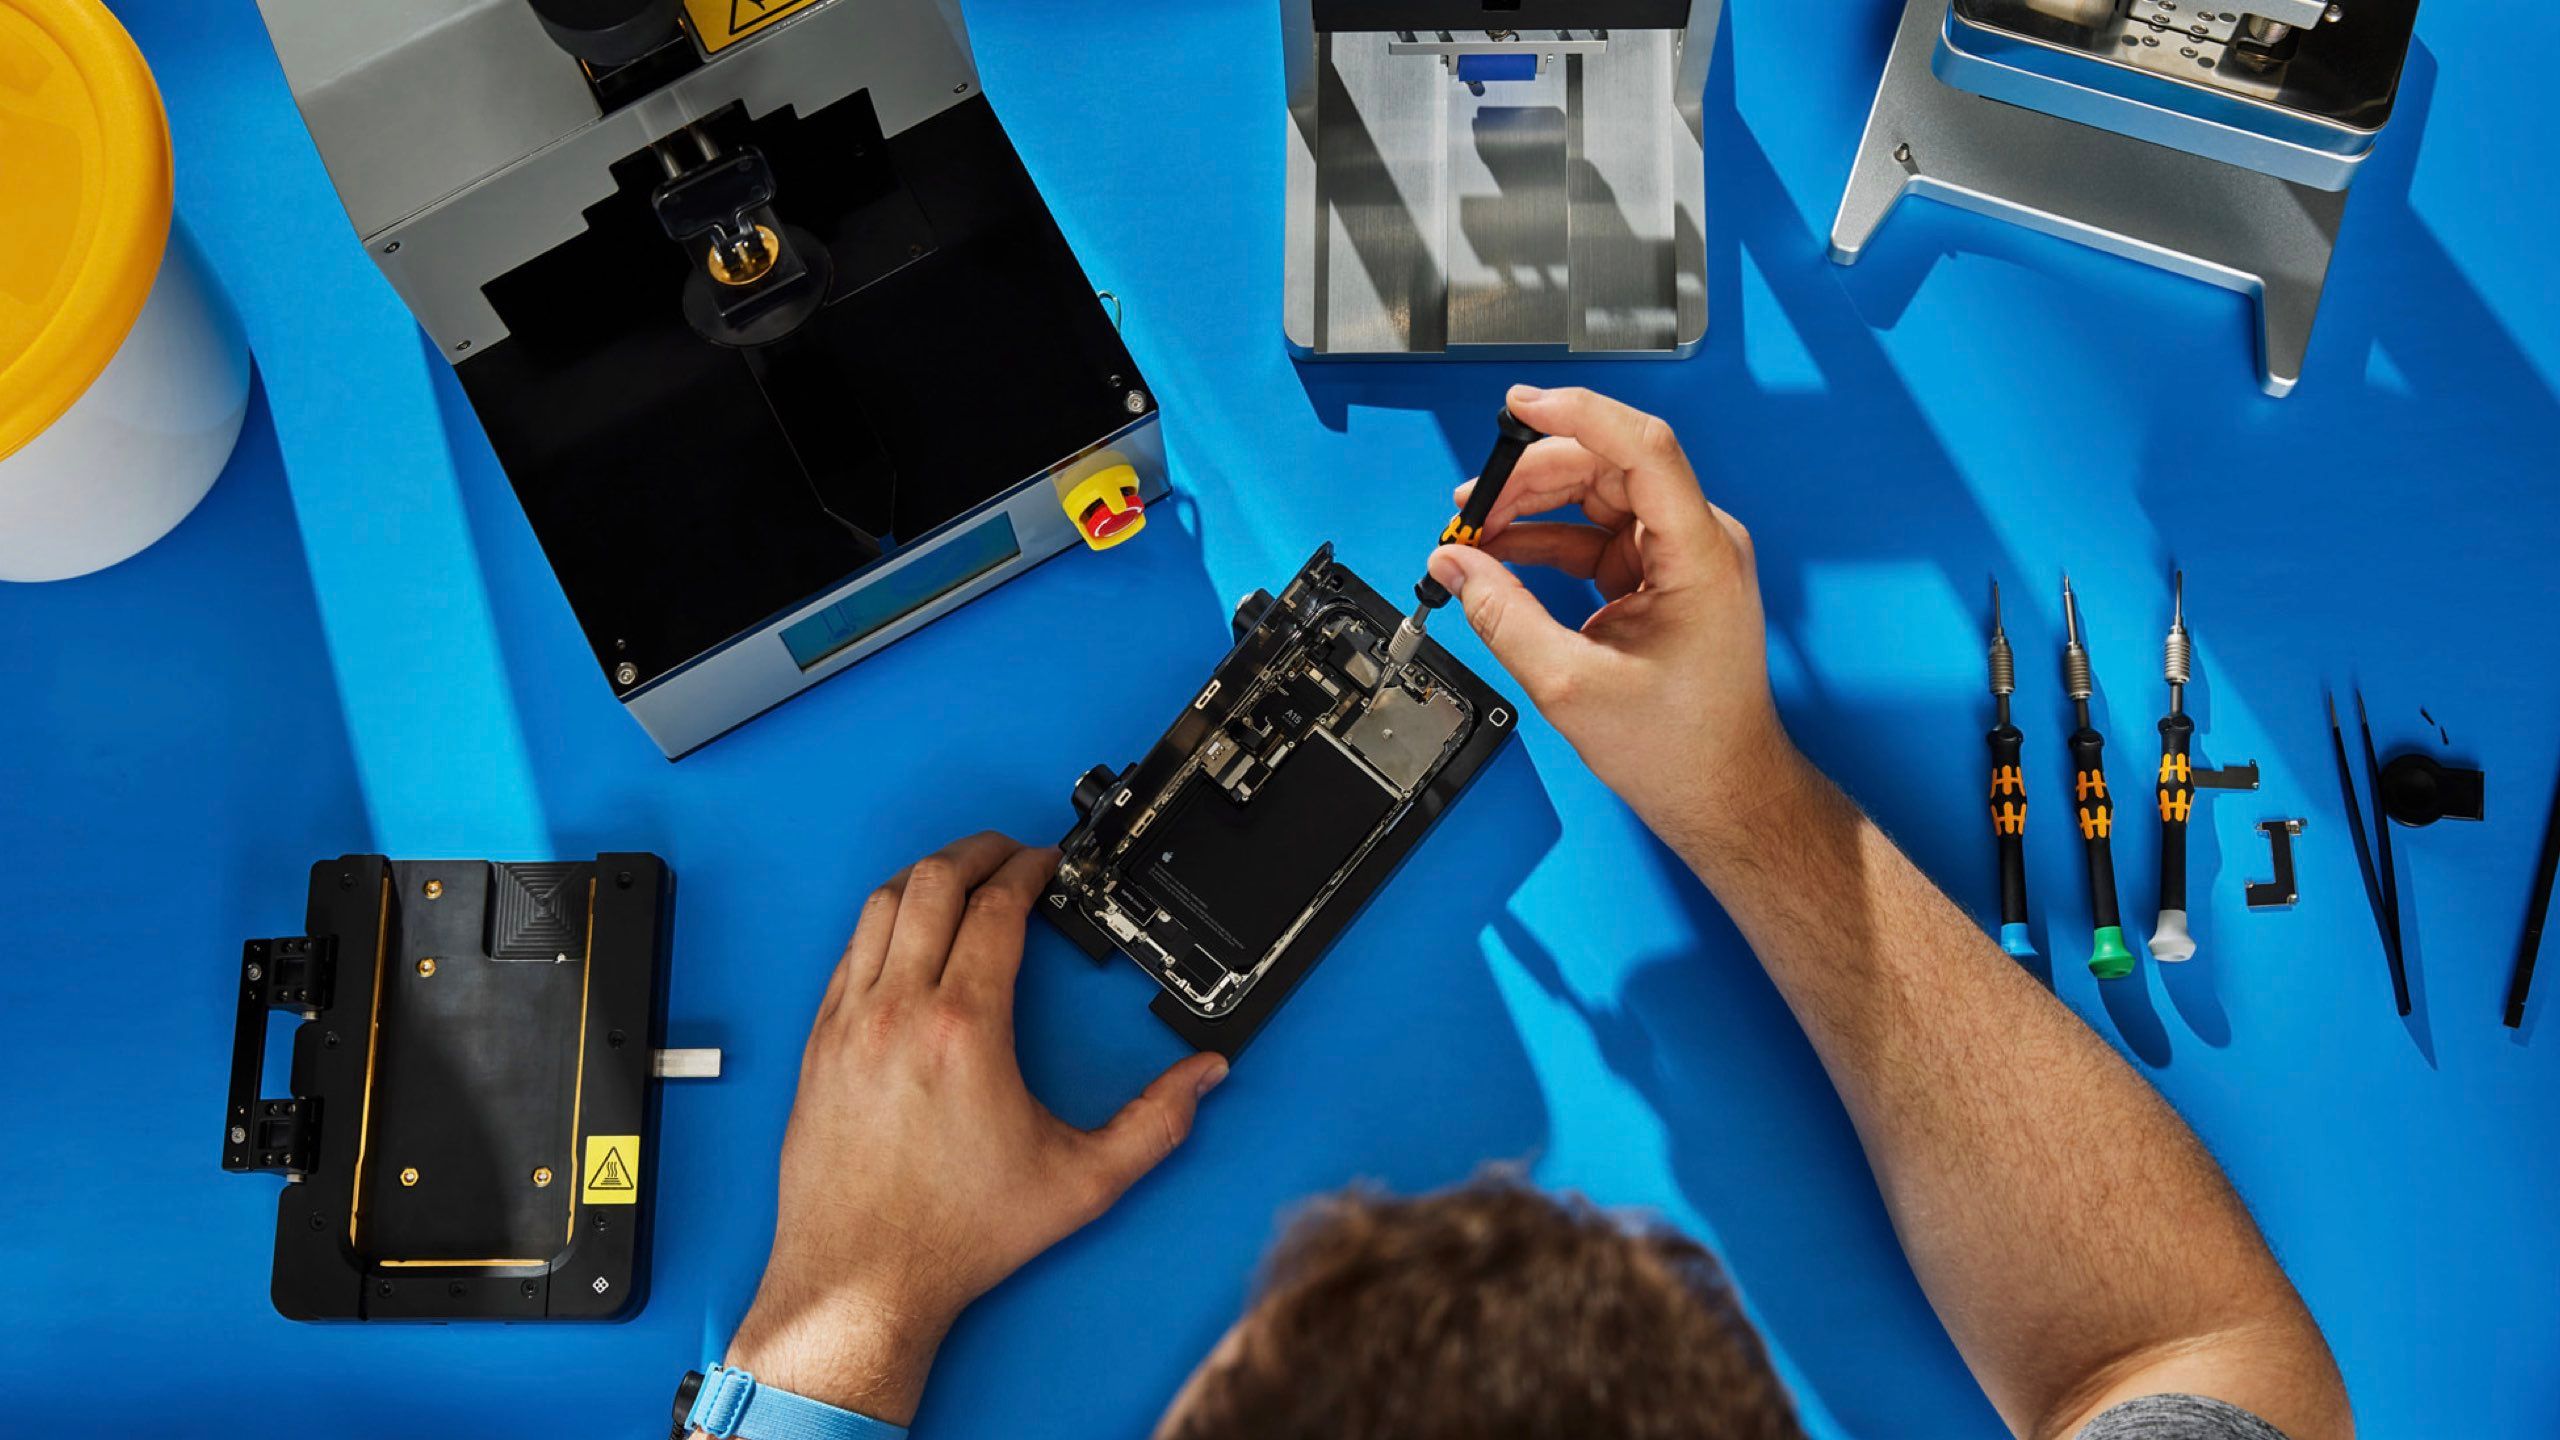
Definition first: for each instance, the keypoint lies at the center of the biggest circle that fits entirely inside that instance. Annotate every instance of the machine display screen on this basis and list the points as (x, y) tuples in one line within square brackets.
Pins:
[(903, 591)]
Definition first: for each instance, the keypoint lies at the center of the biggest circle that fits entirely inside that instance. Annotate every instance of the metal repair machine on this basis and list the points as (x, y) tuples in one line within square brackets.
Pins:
[(1473, 179), (778, 344), (2214, 140)]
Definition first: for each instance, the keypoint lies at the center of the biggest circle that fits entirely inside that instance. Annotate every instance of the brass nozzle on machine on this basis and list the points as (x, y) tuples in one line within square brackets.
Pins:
[(745, 258)]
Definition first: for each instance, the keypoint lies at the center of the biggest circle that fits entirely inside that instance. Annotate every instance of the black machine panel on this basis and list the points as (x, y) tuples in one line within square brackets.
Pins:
[(687, 492), (471, 1118), (1228, 860)]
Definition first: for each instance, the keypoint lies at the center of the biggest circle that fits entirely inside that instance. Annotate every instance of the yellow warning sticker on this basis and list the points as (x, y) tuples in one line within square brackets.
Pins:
[(718, 23), (613, 1170)]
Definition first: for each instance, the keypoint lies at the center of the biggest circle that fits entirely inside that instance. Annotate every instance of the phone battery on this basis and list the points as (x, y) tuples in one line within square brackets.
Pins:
[(1239, 875)]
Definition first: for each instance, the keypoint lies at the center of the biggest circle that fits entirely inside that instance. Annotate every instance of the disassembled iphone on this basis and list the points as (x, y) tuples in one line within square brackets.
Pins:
[(1227, 861), (469, 1129)]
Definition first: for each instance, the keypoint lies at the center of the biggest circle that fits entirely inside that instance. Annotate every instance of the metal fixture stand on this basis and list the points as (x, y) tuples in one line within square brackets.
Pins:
[(1557, 209), (2267, 238)]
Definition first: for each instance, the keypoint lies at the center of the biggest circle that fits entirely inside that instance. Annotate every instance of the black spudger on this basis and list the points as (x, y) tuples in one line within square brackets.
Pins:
[(2364, 858), (2538, 911)]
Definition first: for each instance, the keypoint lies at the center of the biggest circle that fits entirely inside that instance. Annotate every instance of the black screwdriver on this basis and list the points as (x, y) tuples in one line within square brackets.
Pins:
[(2170, 939), (2108, 959), (2008, 792), (1465, 528)]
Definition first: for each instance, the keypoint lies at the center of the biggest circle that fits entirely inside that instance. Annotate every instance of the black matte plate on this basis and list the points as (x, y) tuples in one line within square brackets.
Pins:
[(443, 1091)]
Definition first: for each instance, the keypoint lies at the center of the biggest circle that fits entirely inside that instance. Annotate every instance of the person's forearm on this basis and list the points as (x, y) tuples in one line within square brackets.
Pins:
[(852, 1354), (2066, 1224)]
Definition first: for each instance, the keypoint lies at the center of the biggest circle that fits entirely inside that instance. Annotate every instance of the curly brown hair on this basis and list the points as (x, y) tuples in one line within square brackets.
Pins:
[(1487, 1312)]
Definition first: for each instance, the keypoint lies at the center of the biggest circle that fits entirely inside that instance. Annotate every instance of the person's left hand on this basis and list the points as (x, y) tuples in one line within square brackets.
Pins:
[(918, 1170)]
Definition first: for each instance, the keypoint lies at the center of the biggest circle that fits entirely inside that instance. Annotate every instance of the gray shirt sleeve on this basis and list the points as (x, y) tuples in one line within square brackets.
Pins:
[(2177, 1417)]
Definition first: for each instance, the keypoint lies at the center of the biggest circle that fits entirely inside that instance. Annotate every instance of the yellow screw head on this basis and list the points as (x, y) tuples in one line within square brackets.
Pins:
[(426, 966), (409, 1176), (434, 889), (541, 1176)]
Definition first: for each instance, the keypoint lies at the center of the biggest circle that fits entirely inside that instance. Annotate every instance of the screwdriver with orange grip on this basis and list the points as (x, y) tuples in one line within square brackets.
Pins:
[(2170, 939), (1465, 528), (2108, 957), (2008, 792)]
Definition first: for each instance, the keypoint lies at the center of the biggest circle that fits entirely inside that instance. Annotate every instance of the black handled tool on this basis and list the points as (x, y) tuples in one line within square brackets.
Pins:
[(2387, 872), (1465, 528), (2182, 782), (2108, 959), (2008, 792), (2385, 918), (2419, 790), (2170, 939)]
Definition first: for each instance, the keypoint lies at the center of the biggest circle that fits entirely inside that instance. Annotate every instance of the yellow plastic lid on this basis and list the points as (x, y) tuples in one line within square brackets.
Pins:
[(84, 215)]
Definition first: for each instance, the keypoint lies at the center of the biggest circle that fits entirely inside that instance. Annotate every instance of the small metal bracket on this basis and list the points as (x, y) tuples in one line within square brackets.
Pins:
[(2227, 777), (684, 1064), (2281, 892), (294, 972)]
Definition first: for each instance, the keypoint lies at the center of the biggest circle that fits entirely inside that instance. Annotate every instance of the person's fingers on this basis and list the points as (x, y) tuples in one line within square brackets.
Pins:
[(1554, 473), (1645, 458), (988, 953), (1537, 651), (1608, 558), (859, 969), (1148, 1128), (937, 893), (1739, 534), (1558, 545), (837, 982)]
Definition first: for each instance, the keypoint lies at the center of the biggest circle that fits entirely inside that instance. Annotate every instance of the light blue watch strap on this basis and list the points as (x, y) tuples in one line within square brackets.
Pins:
[(731, 1404)]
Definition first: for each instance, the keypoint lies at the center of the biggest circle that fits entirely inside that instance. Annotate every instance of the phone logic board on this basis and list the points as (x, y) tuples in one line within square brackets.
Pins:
[(1227, 861)]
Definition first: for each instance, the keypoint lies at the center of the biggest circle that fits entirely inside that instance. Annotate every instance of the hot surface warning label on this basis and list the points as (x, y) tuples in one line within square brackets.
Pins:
[(718, 22), (612, 1170)]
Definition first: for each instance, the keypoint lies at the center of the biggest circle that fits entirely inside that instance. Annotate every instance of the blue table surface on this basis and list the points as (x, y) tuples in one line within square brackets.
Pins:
[(354, 645)]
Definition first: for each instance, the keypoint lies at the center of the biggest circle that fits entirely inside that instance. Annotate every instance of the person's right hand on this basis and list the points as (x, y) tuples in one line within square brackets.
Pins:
[(1665, 690)]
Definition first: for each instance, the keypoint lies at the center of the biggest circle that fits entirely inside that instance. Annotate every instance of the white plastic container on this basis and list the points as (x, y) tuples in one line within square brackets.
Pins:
[(123, 375)]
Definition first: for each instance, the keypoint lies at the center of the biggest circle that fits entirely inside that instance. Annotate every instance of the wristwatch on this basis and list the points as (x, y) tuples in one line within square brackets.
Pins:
[(729, 1403)]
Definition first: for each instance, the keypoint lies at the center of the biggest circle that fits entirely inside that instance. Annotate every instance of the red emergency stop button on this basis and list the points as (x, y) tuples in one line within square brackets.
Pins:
[(1106, 507)]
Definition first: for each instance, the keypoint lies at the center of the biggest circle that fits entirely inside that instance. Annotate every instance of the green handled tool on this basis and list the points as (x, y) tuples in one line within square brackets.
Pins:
[(2108, 957)]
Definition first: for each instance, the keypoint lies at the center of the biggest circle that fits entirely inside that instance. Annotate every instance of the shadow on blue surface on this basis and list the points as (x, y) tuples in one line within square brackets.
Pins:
[(174, 758)]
